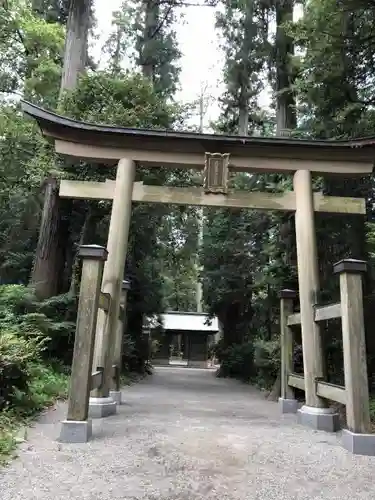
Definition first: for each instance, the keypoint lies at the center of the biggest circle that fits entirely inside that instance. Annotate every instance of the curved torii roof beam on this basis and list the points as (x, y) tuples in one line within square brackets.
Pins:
[(187, 150)]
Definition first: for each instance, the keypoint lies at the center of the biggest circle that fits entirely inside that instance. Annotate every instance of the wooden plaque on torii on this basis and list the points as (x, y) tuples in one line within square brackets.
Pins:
[(215, 175)]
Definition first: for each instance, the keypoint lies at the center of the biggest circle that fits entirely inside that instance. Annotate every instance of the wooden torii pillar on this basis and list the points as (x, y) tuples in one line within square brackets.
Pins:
[(101, 404), (315, 413)]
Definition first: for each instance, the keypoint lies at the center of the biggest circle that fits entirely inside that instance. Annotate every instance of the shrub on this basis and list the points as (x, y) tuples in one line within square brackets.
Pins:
[(24, 338), (16, 354), (236, 361), (44, 385), (256, 361), (129, 353), (267, 361)]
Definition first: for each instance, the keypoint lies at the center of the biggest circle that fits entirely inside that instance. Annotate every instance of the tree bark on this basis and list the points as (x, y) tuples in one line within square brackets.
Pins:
[(151, 8), (245, 75), (75, 54), (285, 115), (49, 254), (285, 98), (44, 277)]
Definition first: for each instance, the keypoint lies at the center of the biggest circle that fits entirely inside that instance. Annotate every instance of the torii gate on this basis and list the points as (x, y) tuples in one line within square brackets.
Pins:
[(129, 147)]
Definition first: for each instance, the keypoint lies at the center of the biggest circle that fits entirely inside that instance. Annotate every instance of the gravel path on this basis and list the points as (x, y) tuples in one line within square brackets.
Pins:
[(185, 435)]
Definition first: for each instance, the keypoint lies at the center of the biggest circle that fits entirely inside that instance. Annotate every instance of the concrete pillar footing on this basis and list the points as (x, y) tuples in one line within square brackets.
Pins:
[(320, 419), (102, 407), (73, 431), (358, 444), (116, 396), (288, 405)]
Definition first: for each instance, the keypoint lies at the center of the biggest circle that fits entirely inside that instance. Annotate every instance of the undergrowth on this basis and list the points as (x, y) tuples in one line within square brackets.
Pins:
[(36, 345), (46, 385)]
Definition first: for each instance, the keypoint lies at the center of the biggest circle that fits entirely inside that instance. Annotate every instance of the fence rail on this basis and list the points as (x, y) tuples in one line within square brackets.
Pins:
[(296, 381), (322, 313), (294, 319), (332, 392), (354, 395), (325, 390), (96, 379)]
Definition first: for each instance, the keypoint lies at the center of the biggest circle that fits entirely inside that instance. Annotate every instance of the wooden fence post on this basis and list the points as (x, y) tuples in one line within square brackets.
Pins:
[(115, 393), (77, 428), (357, 437), (287, 401)]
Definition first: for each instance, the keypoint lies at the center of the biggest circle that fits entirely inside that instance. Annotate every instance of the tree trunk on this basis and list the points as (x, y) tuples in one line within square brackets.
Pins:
[(48, 257), (147, 50), (285, 98), (243, 116), (285, 115), (44, 276), (75, 54), (246, 70)]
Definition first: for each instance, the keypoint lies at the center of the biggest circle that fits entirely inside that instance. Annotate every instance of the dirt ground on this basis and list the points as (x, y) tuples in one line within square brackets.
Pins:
[(184, 434)]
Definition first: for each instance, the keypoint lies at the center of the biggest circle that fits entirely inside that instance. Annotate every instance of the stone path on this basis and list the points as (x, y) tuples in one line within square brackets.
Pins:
[(185, 435)]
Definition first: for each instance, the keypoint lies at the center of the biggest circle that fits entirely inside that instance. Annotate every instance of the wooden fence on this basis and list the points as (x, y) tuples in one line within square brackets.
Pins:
[(355, 393)]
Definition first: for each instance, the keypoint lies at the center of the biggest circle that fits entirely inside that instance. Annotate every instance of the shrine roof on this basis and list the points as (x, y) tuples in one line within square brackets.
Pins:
[(112, 142), (187, 321)]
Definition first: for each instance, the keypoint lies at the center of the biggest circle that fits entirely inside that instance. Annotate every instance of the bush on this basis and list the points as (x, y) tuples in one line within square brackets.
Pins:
[(52, 319), (255, 361), (16, 354), (236, 361), (27, 337), (267, 362), (45, 384)]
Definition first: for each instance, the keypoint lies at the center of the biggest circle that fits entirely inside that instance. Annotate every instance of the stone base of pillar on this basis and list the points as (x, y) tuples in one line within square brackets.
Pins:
[(197, 364), (288, 405), (73, 431), (102, 407), (320, 419), (160, 361), (358, 444), (116, 396)]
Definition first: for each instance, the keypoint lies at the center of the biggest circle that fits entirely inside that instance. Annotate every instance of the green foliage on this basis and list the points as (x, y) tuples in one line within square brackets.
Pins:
[(248, 257), (244, 29), (178, 250), (20, 181), (25, 335), (126, 100), (144, 36), (31, 51), (16, 353), (372, 410), (26, 384), (45, 385), (267, 361), (237, 361), (53, 11), (256, 361)]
